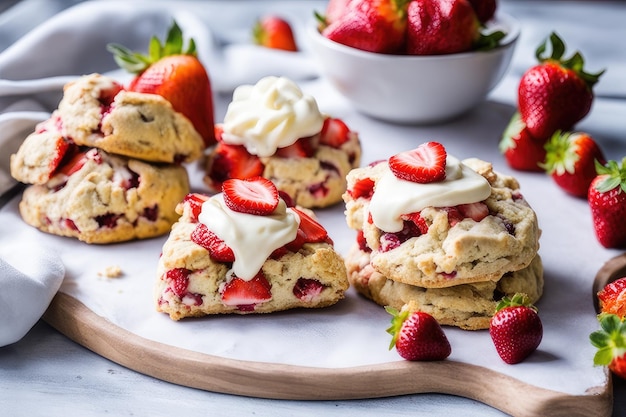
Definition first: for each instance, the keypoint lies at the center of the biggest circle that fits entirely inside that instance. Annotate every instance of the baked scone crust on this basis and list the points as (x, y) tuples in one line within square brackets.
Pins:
[(468, 306), (96, 204), (317, 261), (467, 252), (137, 125)]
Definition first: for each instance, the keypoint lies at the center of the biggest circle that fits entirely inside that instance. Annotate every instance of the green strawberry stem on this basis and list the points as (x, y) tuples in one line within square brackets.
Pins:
[(616, 175), (488, 41), (136, 63), (576, 62), (396, 323), (610, 339), (518, 300)]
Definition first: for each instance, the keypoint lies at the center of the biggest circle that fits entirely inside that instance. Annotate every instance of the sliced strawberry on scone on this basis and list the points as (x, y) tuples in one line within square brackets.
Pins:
[(424, 164), (245, 294), (257, 195)]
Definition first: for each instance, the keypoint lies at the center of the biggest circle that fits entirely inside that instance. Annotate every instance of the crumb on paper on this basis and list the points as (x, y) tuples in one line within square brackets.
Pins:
[(112, 271)]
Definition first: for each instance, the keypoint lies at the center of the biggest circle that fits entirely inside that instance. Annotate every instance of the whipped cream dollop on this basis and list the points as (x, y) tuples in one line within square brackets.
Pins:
[(273, 113), (252, 238), (394, 197)]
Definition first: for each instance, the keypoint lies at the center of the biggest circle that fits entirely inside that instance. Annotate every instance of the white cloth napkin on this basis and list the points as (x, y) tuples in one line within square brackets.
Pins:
[(30, 275), (72, 43)]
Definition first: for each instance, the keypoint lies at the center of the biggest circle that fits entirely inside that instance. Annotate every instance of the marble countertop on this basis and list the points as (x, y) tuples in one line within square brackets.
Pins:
[(45, 373)]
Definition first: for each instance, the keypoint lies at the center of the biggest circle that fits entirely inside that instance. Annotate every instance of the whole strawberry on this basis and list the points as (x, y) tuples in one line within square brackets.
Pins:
[(515, 329), (417, 336), (485, 9), (612, 298), (556, 93), (370, 25), (570, 161), (611, 343), (607, 200), (441, 27), (274, 32), (521, 150), (174, 73)]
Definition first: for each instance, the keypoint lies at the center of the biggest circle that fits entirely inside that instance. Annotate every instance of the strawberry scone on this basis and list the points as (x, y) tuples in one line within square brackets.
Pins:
[(245, 251), (452, 236), (274, 130), (97, 111), (94, 196)]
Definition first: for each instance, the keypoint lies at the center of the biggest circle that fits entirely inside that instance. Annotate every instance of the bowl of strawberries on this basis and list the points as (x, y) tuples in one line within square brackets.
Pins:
[(413, 62)]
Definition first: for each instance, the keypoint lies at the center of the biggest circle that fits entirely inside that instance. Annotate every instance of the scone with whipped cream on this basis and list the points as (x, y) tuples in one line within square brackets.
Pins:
[(244, 250), (448, 237), (96, 111), (274, 130)]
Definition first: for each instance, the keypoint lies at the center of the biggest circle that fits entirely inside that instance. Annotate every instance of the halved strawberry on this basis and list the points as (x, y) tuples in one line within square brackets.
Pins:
[(424, 164), (246, 294), (612, 298), (218, 250), (233, 161), (258, 195), (309, 231), (302, 148), (334, 132), (475, 211)]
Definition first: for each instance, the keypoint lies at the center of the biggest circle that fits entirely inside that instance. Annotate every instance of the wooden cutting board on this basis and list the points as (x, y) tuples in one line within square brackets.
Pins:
[(280, 381)]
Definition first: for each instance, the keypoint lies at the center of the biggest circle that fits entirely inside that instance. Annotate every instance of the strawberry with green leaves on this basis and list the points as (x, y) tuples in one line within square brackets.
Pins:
[(515, 328), (175, 73), (610, 341), (607, 200), (521, 150), (417, 336), (570, 161), (556, 93), (274, 32), (370, 25)]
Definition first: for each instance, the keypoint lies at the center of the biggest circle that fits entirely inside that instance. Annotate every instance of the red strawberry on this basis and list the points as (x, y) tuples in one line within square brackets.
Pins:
[(441, 27), (607, 199), (370, 25), (302, 148), (334, 133), (521, 150), (307, 289), (515, 329), (246, 294), (77, 160), (274, 32), (556, 93), (309, 231), (417, 336), (179, 280), (63, 150), (232, 161), (612, 298), (424, 164), (474, 211), (485, 9), (611, 343), (194, 201), (418, 220), (257, 195), (362, 188), (570, 160), (218, 250), (335, 9), (174, 73)]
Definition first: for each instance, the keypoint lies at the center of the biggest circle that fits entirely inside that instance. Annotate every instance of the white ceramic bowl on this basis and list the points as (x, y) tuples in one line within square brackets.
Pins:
[(415, 89)]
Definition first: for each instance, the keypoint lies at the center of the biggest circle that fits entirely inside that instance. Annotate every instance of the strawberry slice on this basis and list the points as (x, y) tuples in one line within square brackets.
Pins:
[(258, 195), (308, 289), (475, 211), (179, 280), (424, 164), (194, 201), (334, 132), (302, 148), (418, 220), (309, 231), (362, 188), (218, 250), (233, 161), (246, 294)]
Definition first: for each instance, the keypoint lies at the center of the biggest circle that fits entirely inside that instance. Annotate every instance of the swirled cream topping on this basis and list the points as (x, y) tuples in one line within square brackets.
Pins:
[(272, 114), (394, 197), (252, 238)]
